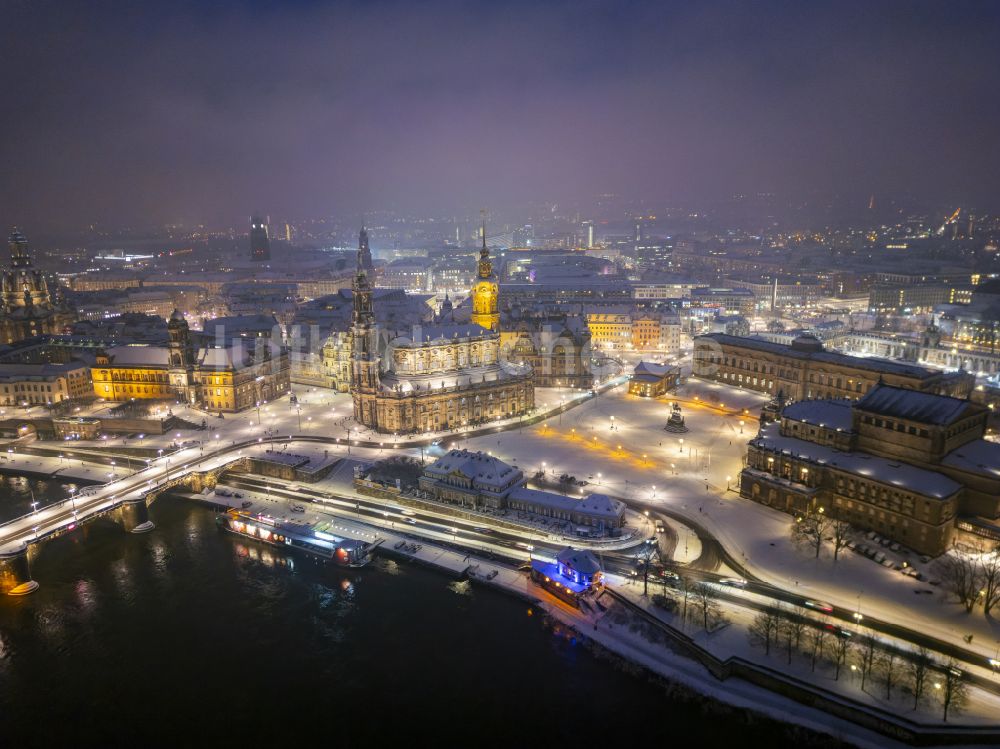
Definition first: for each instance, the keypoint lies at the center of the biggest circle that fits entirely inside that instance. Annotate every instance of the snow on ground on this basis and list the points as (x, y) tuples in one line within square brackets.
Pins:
[(732, 640), (687, 474)]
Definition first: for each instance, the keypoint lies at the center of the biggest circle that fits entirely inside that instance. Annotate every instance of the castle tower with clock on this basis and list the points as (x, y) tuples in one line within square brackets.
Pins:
[(485, 292)]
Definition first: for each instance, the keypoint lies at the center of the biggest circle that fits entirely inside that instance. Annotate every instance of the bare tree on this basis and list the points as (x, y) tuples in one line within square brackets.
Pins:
[(810, 530), (918, 670), (953, 689), (841, 651), (764, 629), (792, 629), (887, 664), (868, 648), (687, 585), (650, 549), (961, 575), (706, 599), (841, 535), (816, 638), (990, 569)]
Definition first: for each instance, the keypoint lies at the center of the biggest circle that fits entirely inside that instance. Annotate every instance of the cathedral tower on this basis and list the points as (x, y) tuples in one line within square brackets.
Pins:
[(364, 344), (486, 292)]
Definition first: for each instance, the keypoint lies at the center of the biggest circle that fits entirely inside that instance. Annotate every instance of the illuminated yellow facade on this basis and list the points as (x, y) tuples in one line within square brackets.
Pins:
[(230, 378), (486, 293), (125, 381)]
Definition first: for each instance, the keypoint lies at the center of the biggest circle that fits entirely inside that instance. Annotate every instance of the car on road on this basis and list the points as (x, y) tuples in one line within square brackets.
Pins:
[(482, 529), (411, 521), (670, 575), (826, 608), (297, 508), (735, 582)]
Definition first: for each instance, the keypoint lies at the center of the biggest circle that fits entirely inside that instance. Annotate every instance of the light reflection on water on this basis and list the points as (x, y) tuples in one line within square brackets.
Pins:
[(199, 637)]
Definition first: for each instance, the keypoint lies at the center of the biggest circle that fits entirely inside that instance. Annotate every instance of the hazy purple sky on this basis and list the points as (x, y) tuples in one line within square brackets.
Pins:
[(180, 111)]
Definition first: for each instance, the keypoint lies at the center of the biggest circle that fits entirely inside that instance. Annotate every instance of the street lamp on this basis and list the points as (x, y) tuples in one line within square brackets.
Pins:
[(682, 446), (612, 422), (728, 479)]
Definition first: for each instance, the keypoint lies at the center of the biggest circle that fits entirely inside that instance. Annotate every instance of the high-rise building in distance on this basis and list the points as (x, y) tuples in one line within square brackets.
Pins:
[(260, 245)]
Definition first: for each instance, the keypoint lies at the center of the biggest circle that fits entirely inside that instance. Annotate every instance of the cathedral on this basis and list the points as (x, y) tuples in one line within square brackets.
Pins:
[(434, 377), (26, 308)]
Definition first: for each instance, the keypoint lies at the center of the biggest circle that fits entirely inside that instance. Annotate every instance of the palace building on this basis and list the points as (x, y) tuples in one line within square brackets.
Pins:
[(805, 369), (233, 375), (26, 307), (434, 377)]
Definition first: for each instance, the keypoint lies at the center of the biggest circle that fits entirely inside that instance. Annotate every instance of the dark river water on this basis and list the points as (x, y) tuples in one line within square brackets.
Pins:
[(188, 637)]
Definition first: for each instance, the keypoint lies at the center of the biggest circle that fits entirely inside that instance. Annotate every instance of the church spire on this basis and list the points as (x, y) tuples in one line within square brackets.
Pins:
[(365, 262), (484, 252), (486, 290)]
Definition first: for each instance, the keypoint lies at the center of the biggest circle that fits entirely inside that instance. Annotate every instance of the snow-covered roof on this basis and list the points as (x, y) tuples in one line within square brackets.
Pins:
[(442, 333), (873, 364), (146, 356), (238, 354), (595, 505), (902, 475), (482, 469), (16, 370), (978, 456), (832, 413), (651, 369), (926, 408), (579, 560), (602, 504)]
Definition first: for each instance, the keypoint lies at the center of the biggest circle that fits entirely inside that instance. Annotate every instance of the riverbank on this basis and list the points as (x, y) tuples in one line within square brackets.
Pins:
[(655, 659)]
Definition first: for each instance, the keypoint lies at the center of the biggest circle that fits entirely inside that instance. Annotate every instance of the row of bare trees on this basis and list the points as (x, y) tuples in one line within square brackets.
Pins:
[(873, 660), (971, 572), (812, 529), (695, 599)]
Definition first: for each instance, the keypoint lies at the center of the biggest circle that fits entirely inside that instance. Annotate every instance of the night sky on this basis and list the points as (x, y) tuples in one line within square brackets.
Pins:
[(142, 112)]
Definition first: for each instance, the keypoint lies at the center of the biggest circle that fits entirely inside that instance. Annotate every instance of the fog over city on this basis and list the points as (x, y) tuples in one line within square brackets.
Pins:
[(520, 374), (189, 112)]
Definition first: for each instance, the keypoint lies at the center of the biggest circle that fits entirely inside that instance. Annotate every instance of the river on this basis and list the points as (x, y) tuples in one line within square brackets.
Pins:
[(191, 637)]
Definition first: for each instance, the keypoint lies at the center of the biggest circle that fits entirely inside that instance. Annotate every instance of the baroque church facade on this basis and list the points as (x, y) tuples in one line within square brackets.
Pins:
[(438, 376), (27, 309)]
